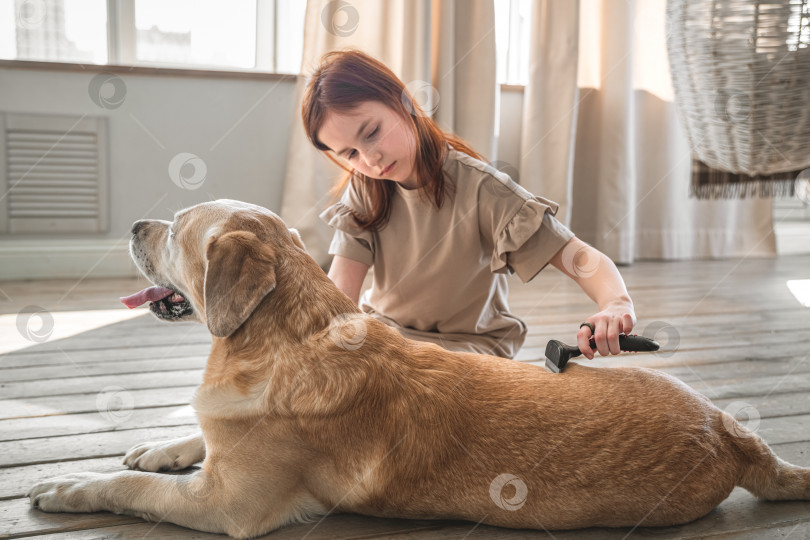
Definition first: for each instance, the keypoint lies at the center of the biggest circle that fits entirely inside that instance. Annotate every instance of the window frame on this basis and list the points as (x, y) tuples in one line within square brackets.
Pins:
[(121, 48)]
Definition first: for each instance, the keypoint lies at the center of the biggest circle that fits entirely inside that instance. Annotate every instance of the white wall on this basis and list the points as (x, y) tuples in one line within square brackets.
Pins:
[(238, 127)]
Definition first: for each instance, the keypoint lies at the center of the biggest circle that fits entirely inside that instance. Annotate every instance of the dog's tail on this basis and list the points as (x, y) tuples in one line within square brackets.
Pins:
[(762, 472)]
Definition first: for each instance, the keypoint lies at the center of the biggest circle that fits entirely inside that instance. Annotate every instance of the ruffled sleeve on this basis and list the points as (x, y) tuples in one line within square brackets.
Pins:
[(350, 240), (522, 228)]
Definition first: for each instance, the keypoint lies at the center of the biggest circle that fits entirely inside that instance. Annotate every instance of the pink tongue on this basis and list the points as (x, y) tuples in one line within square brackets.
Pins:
[(151, 294)]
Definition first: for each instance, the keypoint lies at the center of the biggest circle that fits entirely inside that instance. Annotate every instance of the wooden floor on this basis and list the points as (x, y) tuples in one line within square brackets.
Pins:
[(77, 391)]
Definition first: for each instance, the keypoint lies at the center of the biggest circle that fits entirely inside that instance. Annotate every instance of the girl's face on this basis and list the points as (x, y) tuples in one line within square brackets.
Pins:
[(375, 140)]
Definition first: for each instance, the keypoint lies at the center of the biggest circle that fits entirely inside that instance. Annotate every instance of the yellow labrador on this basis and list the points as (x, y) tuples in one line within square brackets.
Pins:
[(308, 407)]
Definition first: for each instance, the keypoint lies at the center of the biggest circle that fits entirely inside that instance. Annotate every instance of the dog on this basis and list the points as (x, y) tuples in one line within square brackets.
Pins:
[(308, 407)]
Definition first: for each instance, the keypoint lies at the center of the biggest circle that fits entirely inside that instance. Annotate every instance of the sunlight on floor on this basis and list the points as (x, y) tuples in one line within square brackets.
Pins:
[(801, 290), (23, 330)]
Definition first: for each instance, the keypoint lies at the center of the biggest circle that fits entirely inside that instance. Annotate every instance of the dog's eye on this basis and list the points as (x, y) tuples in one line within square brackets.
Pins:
[(172, 235)]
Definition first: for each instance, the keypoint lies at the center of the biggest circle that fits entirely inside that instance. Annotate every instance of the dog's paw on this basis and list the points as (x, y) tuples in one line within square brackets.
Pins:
[(166, 455), (77, 492)]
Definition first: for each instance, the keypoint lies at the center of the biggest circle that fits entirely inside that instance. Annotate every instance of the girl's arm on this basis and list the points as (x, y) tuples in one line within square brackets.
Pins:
[(348, 275), (601, 281)]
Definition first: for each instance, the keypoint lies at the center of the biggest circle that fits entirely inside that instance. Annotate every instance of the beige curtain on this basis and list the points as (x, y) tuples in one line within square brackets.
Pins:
[(601, 137), (444, 50)]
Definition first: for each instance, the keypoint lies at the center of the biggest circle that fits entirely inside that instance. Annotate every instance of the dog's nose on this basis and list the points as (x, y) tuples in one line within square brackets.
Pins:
[(137, 226)]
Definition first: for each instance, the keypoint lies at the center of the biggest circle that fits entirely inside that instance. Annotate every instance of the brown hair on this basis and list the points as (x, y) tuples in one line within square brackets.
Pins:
[(343, 81)]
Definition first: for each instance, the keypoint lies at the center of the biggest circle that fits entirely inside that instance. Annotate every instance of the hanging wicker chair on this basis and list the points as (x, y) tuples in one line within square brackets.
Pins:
[(741, 75)]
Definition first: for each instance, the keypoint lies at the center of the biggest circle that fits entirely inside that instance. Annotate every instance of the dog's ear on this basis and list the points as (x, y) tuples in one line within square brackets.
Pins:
[(296, 238), (239, 273)]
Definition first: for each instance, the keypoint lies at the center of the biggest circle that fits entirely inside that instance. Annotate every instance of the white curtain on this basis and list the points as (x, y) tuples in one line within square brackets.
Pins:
[(443, 50), (601, 137)]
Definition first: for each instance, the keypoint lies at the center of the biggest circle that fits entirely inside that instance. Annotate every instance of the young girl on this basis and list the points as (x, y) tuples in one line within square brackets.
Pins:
[(439, 225)]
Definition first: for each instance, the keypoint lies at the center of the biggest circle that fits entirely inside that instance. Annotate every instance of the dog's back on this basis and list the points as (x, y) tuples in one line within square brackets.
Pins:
[(457, 435)]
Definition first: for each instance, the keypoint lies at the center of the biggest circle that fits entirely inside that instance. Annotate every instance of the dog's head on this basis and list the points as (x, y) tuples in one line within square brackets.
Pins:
[(214, 263)]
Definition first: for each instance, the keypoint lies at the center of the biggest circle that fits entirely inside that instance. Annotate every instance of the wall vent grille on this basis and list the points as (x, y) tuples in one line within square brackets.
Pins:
[(56, 174)]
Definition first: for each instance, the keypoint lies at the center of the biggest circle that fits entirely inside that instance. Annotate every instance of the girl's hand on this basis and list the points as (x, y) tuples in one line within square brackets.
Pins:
[(608, 324)]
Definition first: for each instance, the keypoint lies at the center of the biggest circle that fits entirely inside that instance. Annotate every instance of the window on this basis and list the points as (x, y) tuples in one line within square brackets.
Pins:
[(54, 30), (264, 35), (195, 32), (512, 40)]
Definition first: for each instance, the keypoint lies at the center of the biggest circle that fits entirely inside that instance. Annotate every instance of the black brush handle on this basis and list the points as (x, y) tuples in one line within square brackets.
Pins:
[(633, 343)]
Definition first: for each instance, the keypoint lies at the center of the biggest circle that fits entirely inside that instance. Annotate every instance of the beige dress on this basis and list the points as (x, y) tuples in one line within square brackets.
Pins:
[(439, 275)]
